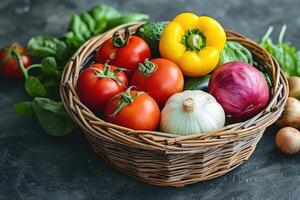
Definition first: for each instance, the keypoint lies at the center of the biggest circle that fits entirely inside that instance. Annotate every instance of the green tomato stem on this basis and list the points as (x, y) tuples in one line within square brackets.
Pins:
[(18, 59), (120, 41), (147, 68)]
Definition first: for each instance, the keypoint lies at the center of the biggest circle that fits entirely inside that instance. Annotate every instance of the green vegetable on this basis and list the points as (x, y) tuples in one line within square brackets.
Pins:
[(34, 87), (126, 18), (43, 46), (199, 83), (55, 53), (52, 116), (286, 55), (151, 33), (24, 108), (234, 51)]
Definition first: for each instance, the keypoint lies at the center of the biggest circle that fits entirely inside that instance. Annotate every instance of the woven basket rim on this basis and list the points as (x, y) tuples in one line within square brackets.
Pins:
[(230, 132)]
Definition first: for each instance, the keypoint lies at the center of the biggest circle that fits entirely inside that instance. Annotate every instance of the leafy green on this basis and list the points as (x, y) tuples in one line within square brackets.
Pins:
[(234, 51), (286, 54), (49, 66), (43, 46), (126, 18), (52, 117), (24, 108), (34, 87), (104, 11)]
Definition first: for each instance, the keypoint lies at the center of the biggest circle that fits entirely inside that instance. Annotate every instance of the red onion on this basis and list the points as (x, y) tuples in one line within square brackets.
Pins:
[(240, 88)]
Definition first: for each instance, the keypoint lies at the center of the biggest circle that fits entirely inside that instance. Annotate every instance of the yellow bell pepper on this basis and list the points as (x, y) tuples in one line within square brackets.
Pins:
[(194, 43)]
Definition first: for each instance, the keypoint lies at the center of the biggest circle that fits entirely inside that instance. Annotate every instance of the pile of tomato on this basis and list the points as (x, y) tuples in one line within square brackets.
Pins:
[(125, 86)]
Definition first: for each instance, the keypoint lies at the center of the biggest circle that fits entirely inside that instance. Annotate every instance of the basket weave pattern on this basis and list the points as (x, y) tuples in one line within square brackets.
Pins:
[(165, 159)]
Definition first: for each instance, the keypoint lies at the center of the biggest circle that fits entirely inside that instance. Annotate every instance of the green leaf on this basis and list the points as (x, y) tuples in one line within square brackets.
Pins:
[(126, 18), (234, 51), (52, 117), (79, 28), (24, 108), (34, 87), (49, 66), (104, 11), (43, 46), (88, 20), (52, 87)]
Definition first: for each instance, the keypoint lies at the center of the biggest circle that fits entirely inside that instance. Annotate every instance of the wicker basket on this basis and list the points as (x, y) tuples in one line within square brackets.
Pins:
[(164, 159)]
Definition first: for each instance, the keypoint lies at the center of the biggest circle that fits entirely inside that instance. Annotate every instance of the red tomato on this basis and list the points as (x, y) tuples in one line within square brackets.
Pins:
[(8, 66), (140, 113), (127, 54), (160, 78), (98, 83)]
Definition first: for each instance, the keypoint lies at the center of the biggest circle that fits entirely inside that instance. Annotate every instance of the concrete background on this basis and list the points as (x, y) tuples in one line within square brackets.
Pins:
[(34, 166)]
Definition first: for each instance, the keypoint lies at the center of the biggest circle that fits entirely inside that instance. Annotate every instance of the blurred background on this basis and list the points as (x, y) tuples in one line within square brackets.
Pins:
[(34, 165)]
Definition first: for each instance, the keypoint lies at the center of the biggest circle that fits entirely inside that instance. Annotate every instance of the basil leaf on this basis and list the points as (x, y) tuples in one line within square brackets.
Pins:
[(234, 51), (24, 108), (49, 66), (34, 87), (52, 87), (52, 117), (79, 28), (43, 46), (104, 11), (126, 18)]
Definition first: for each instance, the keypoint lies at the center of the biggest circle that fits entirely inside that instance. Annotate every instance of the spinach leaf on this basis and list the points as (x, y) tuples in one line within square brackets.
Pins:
[(34, 87), (52, 117), (126, 18), (49, 66), (286, 54), (104, 11), (43, 46), (24, 108), (234, 51)]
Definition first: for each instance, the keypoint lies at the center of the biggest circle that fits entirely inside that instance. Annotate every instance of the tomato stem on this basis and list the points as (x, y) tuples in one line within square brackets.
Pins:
[(118, 40), (125, 99), (106, 73), (147, 68), (18, 59)]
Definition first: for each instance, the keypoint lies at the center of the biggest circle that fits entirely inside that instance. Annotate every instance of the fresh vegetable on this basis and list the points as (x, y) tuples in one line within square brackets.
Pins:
[(160, 78), (288, 140), (294, 86), (8, 66), (151, 33), (127, 51), (291, 113), (133, 109), (199, 83), (99, 83), (285, 53), (55, 52), (234, 51), (191, 112), (240, 88), (194, 43), (126, 18)]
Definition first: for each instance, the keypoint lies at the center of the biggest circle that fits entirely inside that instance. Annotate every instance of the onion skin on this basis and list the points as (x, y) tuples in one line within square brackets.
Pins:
[(291, 113), (294, 86), (288, 140), (240, 88)]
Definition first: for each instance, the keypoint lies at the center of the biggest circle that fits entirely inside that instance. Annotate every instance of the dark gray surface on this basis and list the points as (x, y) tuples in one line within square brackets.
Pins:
[(36, 166)]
